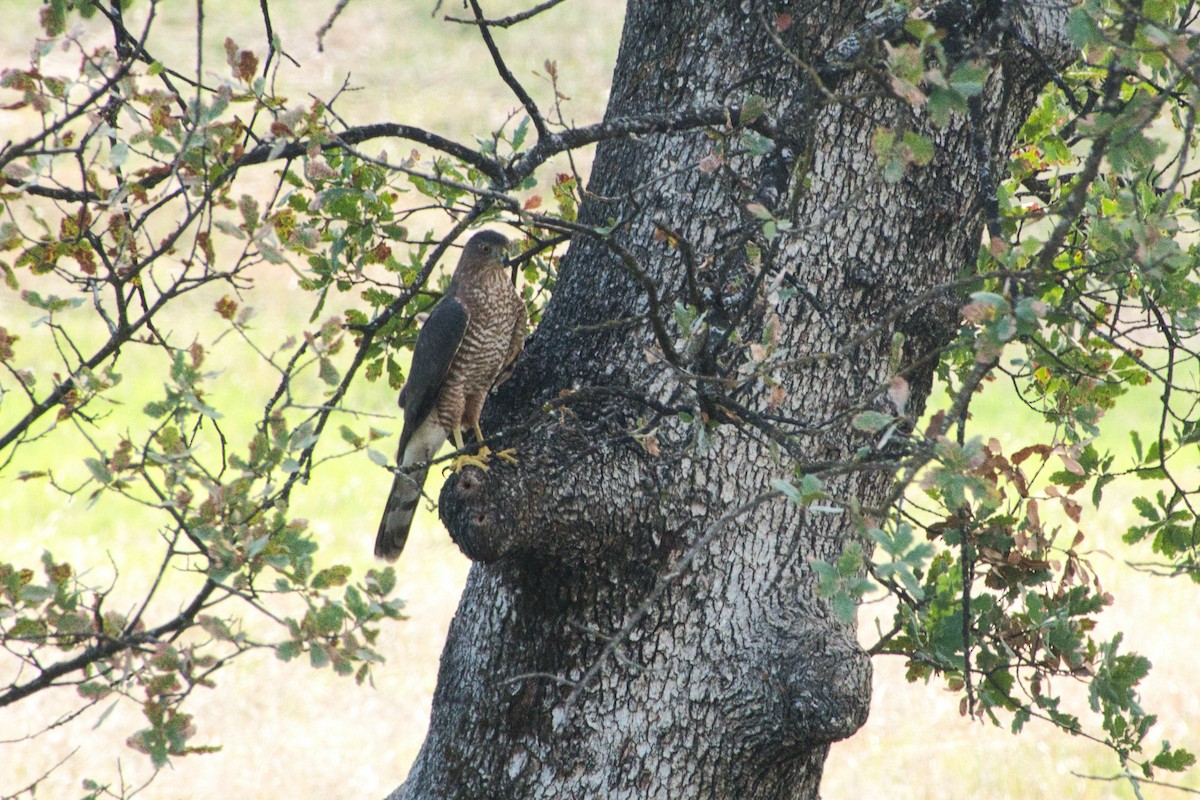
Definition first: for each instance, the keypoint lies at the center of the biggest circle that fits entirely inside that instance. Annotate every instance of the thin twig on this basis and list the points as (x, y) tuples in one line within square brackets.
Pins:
[(505, 22), (325, 28), (1135, 780), (531, 108)]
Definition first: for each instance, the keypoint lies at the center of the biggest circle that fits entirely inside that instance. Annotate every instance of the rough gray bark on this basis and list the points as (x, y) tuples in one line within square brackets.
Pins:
[(639, 623)]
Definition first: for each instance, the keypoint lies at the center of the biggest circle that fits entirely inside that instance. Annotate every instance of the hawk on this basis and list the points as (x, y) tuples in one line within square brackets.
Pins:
[(472, 333)]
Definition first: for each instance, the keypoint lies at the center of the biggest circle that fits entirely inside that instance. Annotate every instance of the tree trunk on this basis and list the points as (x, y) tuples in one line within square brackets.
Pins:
[(640, 622)]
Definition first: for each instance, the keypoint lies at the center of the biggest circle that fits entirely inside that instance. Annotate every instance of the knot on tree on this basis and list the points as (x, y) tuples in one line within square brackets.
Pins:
[(474, 512), (558, 503), (588, 473), (823, 683)]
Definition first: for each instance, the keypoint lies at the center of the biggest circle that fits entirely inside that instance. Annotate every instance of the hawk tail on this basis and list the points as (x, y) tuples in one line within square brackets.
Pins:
[(398, 515)]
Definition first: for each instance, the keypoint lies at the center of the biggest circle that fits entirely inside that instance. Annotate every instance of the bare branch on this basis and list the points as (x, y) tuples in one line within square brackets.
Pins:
[(328, 25), (531, 108), (512, 19)]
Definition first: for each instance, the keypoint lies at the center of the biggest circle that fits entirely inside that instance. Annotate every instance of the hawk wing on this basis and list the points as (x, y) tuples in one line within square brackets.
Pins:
[(437, 345), (434, 352)]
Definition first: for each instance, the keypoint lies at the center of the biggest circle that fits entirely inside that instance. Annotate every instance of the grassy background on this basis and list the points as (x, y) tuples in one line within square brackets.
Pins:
[(289, 730)]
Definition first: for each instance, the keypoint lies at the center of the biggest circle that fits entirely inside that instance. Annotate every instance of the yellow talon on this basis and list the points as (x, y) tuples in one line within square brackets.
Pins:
[(480, 457), (464, 460), (471, 460)]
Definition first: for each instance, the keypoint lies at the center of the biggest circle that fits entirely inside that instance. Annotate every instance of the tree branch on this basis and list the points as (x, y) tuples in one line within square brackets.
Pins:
[(109, 647), (506, 22), (328, 24), (530, 107), (669, 122), (11, 152)]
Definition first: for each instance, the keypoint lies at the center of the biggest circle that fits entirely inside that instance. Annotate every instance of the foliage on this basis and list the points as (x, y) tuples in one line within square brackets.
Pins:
[(142, 208), (1086, 292)]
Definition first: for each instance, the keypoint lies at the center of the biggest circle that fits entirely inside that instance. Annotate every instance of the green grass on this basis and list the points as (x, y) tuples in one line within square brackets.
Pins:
[(286, 730)]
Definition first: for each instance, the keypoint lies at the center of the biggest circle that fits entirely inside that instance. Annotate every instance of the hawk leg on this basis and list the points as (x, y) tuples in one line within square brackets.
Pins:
[(508, 454), (481, 456), (463, 460)]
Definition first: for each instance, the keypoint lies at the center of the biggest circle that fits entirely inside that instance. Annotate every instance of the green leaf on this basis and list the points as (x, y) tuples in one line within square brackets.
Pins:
[(883, 142), (757, 144), (811, 488), (871, 421), (685, 317), (920, 146), (1082, 29), (968, 79), (157, 409), (318, 656), (330, 617), (99, 470), (1173, 760), (1064, 477), (357, 605), (850, 561), (117, 154), (1098, 489), (996, 301), (754, 107), (333, 576), (943, 104), (518, 137), (1145, 508), (787, 489), (329, 373), (288, 650), (94, 690), (349, 436), (845, 607)]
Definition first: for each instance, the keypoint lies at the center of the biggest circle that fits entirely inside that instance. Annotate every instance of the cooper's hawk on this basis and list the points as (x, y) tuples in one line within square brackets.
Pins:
[(475, 329)]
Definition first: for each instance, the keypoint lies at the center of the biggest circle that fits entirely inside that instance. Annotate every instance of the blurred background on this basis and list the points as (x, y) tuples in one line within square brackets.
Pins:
[(287, 730)]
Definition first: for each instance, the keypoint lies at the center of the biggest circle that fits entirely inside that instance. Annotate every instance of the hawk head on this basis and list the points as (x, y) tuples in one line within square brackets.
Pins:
[(486, 248)]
